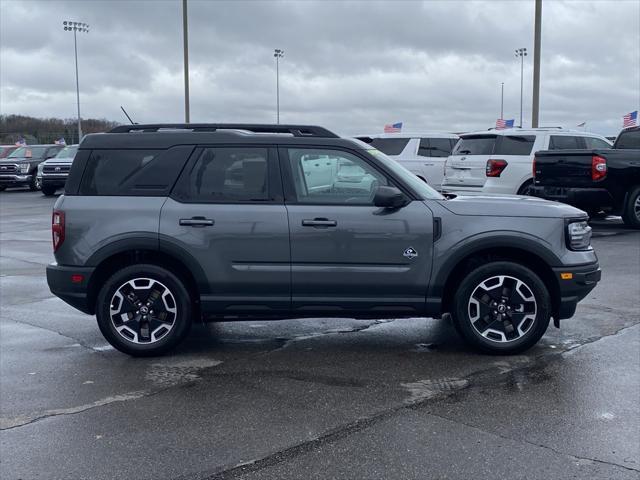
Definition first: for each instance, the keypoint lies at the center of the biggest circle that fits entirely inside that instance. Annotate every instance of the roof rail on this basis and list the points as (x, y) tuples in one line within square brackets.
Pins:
[(295, 130)]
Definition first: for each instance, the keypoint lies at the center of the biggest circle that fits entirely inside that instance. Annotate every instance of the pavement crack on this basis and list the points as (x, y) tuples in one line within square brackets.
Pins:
[(75, 340)]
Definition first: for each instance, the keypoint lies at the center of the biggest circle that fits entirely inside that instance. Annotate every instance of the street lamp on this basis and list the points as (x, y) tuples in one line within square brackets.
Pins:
[(82, 28), (521, 52), (278, 54)]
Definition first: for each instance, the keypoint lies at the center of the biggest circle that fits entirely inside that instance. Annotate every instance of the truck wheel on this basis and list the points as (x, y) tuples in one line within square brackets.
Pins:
[(48, 191), (631, 210), (144, 310), (502, 308), (2, 189)]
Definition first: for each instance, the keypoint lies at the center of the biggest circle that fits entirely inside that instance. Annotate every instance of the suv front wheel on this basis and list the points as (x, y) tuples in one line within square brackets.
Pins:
[(502, 308), (144, 310)]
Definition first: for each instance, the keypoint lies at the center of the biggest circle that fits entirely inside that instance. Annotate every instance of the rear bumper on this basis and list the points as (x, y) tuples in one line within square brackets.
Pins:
[(73, 293), (582, 280), (8, 180), (584, 198)]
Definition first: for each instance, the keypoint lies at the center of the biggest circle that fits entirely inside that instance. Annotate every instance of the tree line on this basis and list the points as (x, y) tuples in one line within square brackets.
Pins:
[(47, 130)]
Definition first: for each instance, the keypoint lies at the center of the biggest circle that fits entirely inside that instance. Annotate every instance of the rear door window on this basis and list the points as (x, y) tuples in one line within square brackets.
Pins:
[(515, 145), (435, 147), (565, 142), (390, 146), (476, 145), (227, 175)]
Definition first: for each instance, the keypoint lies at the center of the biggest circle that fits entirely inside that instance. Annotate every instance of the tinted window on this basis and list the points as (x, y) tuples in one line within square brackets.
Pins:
[(515, 145), (593, 142), (562, 142), (435, 147), (132, 172), (333, 177), (629, 139), (390, 146), (477, 145), (67, 152), (224, 175)]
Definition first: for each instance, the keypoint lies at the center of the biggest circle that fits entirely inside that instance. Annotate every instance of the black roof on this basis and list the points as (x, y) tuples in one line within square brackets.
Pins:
[(166, 135)]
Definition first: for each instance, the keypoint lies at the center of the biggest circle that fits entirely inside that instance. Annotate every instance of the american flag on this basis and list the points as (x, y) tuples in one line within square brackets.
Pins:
[(21, 142), (60, 141), (501, 123), (393, 128), (630, 119)]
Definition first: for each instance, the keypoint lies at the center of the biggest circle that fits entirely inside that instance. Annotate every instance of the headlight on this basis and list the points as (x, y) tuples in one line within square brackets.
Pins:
[(24, 168), (578, 235), (40, 168)]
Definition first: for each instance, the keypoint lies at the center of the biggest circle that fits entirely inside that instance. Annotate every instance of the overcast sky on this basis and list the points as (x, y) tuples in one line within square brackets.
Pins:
[(350, 66)]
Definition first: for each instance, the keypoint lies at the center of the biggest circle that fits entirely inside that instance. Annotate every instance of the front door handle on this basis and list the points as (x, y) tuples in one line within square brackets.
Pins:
[(319, 222), (196, 222)]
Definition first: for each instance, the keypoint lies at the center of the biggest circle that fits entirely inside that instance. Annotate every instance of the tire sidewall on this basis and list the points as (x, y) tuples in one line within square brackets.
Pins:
[(629, 215), (482, 273), (183, 305)]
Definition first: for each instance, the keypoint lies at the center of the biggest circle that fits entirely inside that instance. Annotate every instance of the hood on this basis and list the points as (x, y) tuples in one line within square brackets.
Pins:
[(20, 160), (510, 206)]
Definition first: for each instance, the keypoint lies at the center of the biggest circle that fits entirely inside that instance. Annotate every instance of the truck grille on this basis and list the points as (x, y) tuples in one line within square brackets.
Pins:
[(56, 169), (8, 168)]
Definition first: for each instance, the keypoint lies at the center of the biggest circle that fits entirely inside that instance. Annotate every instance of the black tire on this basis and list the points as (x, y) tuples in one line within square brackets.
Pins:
[(33, 183), (48, 191), (631, 209), (2, 189), (512, 340), (525, 188), (160, 280)]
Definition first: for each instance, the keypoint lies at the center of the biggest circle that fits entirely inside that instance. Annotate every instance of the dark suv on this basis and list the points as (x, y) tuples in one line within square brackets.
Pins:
[(161, 225)]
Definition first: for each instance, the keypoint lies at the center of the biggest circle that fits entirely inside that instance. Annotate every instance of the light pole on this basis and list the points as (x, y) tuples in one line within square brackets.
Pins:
[(185, 44), (82, 28), (278, 54), (501, 100), (521, 52)]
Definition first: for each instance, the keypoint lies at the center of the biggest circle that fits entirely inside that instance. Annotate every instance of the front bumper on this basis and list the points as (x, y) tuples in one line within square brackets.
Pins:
[(584, 198), (8, 180), (54, 180), (59, 279), (575, 283)]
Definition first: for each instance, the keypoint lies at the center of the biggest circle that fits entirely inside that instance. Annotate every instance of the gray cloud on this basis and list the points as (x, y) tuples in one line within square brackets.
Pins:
[(351, 66)]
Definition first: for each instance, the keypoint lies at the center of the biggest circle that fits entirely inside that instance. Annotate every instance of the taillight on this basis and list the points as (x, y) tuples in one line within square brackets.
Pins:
[(598, 168), (533, 168), (57, 229), (495, 167)]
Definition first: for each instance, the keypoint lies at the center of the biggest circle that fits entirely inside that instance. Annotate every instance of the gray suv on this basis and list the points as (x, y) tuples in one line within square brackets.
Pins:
[(163, 225)]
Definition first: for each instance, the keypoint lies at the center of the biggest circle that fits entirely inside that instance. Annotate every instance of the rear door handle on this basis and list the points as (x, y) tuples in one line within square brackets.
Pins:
[(196, 222), (319, 222)]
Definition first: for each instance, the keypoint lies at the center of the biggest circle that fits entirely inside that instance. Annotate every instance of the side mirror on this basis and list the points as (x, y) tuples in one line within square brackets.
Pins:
[(389, 197)]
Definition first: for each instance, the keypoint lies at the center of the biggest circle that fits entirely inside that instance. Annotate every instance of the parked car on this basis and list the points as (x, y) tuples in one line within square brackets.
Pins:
[(594, 180), (21, 166), (500, 161), (423, 154), (161, 225), (5, 150), (53, 173)]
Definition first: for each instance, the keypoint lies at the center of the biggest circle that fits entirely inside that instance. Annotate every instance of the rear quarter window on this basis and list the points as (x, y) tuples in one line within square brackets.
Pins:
[(564, 142), (476, 145), (515, 145), (133, 172), (390, 146)]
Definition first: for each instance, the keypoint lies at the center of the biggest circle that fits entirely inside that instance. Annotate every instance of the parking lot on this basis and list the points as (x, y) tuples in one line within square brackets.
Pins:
[(313, 398)]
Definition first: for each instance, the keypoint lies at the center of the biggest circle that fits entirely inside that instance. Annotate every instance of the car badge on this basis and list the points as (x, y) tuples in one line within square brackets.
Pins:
[(57, 169), (3, 168), (410, 253)]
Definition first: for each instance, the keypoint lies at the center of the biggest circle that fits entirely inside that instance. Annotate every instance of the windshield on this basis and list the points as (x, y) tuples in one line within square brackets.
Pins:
[(425, 191), (628, 140), (28, 152), (68, 152)]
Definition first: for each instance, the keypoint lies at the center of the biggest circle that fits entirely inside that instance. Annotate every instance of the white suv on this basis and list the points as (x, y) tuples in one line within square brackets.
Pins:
[(501, 161), (423, 154)]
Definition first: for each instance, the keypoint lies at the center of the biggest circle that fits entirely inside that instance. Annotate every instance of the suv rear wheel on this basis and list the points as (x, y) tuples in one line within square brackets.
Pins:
[(502, 308), (144, 310)]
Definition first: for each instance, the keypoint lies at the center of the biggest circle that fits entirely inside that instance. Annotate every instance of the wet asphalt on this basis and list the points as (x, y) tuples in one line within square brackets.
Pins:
[(307, 399)]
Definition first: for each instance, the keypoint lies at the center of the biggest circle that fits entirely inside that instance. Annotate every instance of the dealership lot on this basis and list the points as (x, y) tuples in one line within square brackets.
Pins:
[(313, 398)]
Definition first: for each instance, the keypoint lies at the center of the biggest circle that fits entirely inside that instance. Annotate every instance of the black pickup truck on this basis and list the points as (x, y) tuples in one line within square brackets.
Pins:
[(594, 180)]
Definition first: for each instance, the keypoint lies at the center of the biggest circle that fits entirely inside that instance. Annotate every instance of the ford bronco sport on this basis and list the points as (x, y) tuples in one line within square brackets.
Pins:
[(163, 225)]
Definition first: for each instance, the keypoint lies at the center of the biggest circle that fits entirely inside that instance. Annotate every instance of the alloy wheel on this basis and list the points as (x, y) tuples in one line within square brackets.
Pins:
[(143, 310), (502, 308)]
